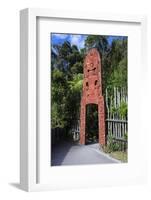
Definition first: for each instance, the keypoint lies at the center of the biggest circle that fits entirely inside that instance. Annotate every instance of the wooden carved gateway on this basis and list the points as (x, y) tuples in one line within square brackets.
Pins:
[(92, 93)]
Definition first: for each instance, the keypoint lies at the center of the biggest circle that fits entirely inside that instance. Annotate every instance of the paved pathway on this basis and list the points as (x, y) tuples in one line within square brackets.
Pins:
[(66, 153)]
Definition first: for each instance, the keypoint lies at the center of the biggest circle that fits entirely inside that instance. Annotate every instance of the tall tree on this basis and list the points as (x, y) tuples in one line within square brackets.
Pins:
[(66, 73)]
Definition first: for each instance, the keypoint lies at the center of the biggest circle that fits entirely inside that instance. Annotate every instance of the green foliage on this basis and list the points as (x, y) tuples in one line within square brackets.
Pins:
[(75, 84), (57, 75), (126, 136), (66, 84), (112, 145), (77, 68), (57, 119), (114, 110), (118, 64), (123, 110), (97, 41)]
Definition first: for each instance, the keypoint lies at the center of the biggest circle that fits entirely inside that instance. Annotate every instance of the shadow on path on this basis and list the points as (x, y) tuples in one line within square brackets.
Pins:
[(69, 153), (59, 151)]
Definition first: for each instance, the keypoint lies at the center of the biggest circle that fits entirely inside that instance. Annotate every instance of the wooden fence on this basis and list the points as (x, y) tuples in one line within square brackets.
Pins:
[(116, 102), (116, 116), (75, 130), (57, 134)]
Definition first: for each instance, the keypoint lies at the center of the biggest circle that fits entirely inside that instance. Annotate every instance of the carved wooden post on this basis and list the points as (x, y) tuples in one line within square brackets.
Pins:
[(101, 116), (92, 93), (82, 121)]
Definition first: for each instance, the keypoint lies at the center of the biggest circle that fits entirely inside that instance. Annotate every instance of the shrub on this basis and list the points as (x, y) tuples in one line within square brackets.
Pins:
[(112, 145), (126, 136)]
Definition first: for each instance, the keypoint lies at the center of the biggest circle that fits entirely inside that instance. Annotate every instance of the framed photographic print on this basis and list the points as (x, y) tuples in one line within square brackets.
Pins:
[(81, 77)]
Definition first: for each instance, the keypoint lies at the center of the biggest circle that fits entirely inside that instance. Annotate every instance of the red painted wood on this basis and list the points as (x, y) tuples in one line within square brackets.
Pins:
[(92, 93)]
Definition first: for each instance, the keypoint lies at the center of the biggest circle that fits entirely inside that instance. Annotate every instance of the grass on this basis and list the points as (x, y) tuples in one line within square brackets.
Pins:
[(119, 155)]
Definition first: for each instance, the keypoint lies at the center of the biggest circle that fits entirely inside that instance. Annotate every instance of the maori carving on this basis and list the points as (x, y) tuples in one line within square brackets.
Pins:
[(92, 93)]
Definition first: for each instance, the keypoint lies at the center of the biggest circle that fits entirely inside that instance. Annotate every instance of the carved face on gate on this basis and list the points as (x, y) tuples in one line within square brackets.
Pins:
[(91, 74), (91, 64)]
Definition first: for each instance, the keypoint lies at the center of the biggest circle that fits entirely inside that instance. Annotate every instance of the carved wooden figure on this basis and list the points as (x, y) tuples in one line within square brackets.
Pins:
[(92, 93)]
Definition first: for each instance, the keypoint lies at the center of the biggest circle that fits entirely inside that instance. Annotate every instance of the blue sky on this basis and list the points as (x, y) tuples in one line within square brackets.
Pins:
[(74, 39)]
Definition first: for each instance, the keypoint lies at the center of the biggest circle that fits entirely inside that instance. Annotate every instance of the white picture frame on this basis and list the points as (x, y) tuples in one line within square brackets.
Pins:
[(29, 83)]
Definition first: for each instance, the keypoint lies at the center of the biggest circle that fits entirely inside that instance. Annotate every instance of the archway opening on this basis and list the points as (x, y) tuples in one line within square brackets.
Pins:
[(92, 127)]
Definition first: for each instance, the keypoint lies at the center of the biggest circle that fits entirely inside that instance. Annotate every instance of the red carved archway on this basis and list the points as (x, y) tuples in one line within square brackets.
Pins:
[(92, 93)]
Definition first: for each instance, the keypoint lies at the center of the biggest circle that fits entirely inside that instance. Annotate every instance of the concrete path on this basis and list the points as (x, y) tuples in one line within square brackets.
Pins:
[(66, 153)]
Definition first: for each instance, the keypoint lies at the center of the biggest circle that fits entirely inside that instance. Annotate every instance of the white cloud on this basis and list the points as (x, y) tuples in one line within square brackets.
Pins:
[(77, 40)]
